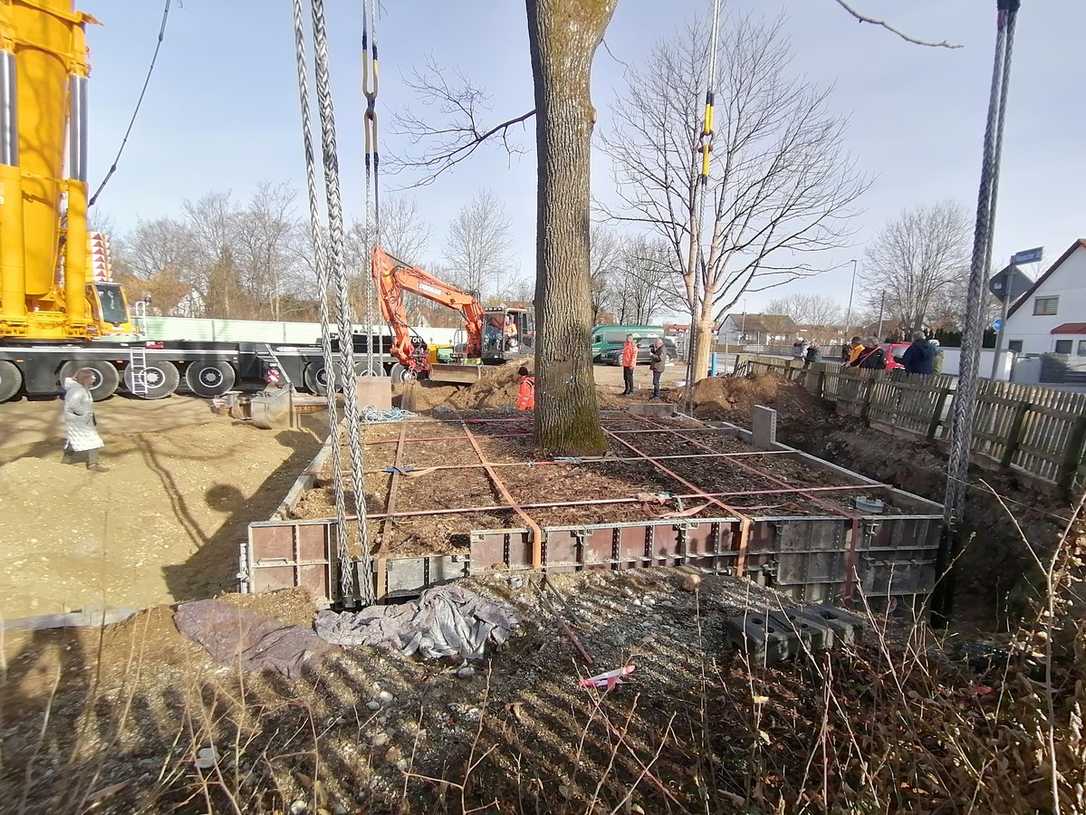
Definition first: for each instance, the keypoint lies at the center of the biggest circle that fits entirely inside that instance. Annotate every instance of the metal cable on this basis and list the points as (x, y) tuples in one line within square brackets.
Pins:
[(371, 217), (336, 266), (700, 272), (139, 104), (319, 251), (962, 424)]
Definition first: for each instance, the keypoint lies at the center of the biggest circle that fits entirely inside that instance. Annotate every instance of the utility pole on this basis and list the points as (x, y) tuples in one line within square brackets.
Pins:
[(851, 289), (882, 308)]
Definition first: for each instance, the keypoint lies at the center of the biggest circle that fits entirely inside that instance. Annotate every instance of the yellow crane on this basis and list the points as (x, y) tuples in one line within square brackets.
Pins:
[(47, 288)]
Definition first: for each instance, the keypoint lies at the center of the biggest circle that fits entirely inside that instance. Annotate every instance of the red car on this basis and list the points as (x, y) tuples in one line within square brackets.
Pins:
[(893, 352)]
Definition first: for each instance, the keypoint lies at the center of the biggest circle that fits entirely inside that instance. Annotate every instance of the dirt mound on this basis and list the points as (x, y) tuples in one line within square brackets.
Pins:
[(496, 389), (733, 399)]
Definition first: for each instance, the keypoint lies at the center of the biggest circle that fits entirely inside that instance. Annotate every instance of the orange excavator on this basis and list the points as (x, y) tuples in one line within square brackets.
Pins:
[(494, 335)]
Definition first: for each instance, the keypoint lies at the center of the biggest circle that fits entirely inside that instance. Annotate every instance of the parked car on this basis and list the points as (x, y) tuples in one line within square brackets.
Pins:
[(609, 337), (644, 357), (893, 351)]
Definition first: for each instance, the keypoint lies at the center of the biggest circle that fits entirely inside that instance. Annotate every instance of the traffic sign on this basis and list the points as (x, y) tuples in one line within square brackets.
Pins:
[(1009, 284), (997, 324), (1028, 255)]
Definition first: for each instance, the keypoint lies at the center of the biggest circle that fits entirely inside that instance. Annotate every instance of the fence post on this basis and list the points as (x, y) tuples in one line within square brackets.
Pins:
[(1074, 455), (937, 412), (1014, 438)]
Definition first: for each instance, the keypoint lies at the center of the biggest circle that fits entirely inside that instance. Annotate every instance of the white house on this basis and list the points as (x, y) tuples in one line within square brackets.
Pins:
[(1051, 316)]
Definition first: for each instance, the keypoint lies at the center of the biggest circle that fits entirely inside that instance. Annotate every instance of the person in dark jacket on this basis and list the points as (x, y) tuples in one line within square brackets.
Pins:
[(657, 360), (872, 357), (813, 356), (919, 358)]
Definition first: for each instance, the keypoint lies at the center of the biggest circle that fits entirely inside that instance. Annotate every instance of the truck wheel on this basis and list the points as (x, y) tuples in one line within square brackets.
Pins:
[(210, 379), (11, 379), (162, 379), (105, 375), (400, 373), (315, 378)]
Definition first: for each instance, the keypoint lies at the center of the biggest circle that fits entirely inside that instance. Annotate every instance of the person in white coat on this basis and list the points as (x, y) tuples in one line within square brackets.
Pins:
[(80, 428)]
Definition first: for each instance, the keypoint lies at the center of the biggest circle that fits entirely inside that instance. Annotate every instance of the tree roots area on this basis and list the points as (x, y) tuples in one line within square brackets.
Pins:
[(134, 717)]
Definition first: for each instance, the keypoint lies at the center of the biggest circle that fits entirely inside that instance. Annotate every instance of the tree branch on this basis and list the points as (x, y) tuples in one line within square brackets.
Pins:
[(863, 18)]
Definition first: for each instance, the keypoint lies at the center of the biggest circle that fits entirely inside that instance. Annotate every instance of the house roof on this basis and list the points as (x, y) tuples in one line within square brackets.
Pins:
[(1079, 244), (1069, 328)]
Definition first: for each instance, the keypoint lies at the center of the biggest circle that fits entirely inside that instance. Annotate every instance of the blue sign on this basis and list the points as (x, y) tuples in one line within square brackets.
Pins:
[(997, 324), (1029, 255)]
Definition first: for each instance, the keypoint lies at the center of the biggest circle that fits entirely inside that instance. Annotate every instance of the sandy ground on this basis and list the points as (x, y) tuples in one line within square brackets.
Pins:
[(162, 525), (609, 378)]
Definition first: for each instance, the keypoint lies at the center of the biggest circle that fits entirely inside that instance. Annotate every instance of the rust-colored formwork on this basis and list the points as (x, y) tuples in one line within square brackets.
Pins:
[(467, 494)]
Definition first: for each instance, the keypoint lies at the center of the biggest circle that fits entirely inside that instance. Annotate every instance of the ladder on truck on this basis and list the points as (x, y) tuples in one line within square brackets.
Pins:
[(137, 354), (270, 360)]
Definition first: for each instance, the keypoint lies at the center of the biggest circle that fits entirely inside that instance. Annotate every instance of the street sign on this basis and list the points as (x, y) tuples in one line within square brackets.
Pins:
[(997, 324), (1009, 284), (1028, 255)]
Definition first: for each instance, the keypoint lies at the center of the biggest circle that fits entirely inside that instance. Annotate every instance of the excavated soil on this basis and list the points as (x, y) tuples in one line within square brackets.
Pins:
[(497, 388)]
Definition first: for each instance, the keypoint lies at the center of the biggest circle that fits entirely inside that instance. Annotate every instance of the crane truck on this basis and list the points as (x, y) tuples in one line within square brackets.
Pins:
[(56, 318)]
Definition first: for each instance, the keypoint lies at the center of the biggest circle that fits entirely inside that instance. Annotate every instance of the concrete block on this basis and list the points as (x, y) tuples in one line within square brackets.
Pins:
[(374, 391), (764, 427)]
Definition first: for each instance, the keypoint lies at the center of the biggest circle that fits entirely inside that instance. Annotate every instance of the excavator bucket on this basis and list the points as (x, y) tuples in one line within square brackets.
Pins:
[(458, 374), (270, 409)]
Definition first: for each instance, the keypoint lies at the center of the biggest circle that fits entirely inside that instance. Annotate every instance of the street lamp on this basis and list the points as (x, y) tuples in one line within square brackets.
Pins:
[(851, 289)]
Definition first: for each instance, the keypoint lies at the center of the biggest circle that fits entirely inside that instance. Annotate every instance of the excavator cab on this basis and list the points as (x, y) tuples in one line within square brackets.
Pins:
[(508, 333)]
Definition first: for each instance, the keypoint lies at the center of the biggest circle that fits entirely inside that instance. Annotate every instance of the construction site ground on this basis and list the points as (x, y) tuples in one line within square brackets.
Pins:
[(110, 720)]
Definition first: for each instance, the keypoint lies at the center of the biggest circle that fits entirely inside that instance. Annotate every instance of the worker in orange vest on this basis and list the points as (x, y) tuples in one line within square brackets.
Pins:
[(629, 361), (526, 392)]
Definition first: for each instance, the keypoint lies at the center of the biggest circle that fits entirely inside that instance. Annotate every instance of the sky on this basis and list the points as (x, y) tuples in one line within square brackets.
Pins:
[(222, 114)]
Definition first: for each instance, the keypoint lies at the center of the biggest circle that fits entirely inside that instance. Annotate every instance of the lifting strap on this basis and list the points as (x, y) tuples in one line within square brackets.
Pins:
[(337, 272)]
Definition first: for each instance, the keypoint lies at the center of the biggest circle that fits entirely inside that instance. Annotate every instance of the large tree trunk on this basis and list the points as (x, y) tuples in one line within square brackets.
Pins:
[(563, 36), (703, 343)]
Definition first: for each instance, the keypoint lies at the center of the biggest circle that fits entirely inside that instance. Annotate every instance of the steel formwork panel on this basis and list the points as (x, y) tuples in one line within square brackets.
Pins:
[(808, 556)]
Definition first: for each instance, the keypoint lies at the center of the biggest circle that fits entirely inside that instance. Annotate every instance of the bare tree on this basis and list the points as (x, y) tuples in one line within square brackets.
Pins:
[(808, 309), (477, 249), (782, 189), (916, 261), (645, 279), (605, 257), (264, 233)]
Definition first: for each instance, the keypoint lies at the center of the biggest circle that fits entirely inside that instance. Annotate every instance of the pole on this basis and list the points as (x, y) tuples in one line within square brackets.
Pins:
[(851, 289), (882, 308), (998, 356)]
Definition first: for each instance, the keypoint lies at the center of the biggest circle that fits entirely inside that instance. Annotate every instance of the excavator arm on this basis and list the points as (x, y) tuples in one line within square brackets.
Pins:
[(393, 277)]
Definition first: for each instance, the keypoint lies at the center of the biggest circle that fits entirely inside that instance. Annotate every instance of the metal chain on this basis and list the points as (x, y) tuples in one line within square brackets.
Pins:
[(319, 252), (964, 400), (335, 261), (371, 217)]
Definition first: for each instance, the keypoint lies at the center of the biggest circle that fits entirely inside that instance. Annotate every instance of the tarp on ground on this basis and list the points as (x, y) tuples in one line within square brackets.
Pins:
[(234, 635), (446, 621)]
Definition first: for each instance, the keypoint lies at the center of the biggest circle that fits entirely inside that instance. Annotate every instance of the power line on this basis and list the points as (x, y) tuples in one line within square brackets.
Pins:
[(139, 103)]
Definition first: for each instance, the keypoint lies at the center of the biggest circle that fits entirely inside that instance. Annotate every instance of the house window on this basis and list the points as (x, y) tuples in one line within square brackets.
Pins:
[(1082, 348), (1045, 306), (1015, 346), (1064, 346)]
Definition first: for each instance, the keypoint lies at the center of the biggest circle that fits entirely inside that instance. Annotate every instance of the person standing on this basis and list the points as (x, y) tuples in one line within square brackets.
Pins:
[(80, 427), (526, 390), (813, 356), (855, 348), (872, 357), (919, 358), (629, 362), (657, 361)]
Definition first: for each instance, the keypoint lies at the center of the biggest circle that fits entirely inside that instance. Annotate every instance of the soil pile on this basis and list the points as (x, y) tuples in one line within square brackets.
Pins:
[(496, 389), (733, 399)]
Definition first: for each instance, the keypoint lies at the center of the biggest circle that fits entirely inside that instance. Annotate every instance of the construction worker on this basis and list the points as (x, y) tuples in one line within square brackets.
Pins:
[(526, 391), (629, 362), (855, 348), (80, 427), (657, 361), (510, 332)]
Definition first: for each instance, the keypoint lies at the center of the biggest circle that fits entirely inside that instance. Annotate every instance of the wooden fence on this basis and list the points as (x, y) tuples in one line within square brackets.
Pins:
[(1037, 431)]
